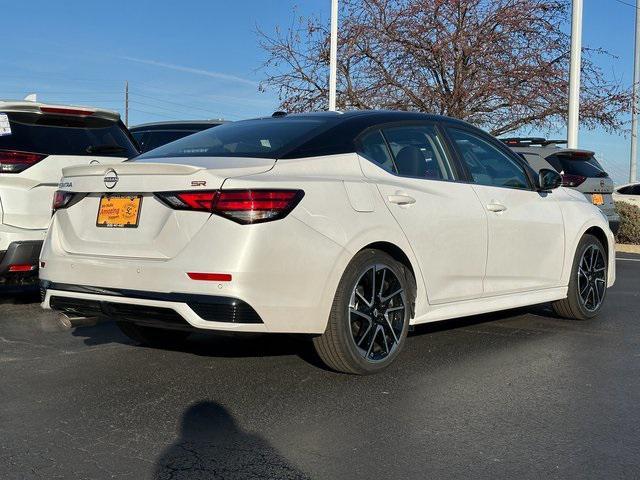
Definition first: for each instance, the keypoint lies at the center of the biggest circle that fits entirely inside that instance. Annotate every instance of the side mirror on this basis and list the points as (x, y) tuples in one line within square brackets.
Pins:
[(548, 180)]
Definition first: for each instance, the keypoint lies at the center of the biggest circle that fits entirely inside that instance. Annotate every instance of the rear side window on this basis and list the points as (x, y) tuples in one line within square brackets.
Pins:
[(264, 138), (418, 152), (66, 135), (374, 148), (148, 140), (571, 165)]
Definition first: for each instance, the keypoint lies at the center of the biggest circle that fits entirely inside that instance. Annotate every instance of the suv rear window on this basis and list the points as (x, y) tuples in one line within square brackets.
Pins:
[(571, 165), (67, 135), (266, 138)]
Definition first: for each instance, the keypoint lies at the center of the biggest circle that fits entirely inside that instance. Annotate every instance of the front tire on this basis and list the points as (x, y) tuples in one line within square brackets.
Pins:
[(588, 283), (153, 337), (370, 315)]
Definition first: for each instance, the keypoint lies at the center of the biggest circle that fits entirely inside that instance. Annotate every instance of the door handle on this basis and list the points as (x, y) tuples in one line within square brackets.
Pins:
[(401, 199), (496, 207)]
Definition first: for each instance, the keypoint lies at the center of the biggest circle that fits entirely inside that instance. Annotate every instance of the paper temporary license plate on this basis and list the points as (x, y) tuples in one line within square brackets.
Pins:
[(119, 211), (597, 199)]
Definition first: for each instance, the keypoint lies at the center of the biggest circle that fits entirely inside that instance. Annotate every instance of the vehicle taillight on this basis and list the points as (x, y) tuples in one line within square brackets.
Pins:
[(62, 199), (572, 180), (13, 161), (241, 206), (67, 111)]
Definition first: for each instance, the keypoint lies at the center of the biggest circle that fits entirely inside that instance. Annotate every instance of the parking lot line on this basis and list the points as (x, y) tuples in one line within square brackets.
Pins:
[(629, 259)]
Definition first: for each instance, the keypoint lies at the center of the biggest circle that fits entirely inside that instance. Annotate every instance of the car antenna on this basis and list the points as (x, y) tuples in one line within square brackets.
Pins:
[(279, 113)]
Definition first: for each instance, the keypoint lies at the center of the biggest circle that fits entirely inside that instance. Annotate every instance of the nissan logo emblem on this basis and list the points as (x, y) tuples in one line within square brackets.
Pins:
[(110, 179)]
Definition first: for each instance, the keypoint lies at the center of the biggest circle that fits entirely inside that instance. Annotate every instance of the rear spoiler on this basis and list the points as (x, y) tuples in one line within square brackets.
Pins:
[(530, 141), (575, 153), (46, 109)]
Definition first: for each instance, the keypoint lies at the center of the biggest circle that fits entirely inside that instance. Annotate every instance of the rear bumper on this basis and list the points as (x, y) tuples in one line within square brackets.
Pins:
[(20, 254), (614, 224), (264, 263), (163, 310)]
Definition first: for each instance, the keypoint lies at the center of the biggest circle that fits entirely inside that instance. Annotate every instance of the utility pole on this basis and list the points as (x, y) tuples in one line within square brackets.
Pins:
[(574, 74), (633, 161), (126, 103), (333, 55)]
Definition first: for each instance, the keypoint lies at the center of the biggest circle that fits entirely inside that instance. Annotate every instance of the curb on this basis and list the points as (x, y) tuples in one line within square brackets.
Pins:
[(625, 248)]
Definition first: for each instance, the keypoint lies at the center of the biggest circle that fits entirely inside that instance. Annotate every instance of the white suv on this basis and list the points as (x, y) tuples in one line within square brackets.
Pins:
[(36, 141)]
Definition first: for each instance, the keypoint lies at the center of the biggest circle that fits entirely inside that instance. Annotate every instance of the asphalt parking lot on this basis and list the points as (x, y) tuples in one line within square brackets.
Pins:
[(518, 394)]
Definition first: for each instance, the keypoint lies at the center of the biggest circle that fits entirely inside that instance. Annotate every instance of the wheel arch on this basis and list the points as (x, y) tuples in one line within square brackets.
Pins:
[(600, 235), (399, 255)]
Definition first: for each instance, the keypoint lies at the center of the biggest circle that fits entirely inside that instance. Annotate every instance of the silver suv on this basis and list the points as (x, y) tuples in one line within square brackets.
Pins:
[(579, 169)]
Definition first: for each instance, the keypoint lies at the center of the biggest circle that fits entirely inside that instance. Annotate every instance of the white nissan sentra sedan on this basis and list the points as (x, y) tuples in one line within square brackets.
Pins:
[(349, 227)]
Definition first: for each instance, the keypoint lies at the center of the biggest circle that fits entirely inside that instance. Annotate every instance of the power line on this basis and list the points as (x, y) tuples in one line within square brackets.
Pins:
[(625, 3), (151, 113), (182, 105)]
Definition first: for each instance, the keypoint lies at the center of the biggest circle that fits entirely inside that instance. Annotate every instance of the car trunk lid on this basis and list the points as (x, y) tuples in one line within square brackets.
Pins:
[(161, 232)]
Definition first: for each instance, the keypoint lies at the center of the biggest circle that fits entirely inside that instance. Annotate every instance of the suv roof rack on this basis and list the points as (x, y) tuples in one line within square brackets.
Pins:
[(529, 141)]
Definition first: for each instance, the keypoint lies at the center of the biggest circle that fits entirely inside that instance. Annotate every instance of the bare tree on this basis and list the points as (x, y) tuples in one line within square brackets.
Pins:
[(500, 64)]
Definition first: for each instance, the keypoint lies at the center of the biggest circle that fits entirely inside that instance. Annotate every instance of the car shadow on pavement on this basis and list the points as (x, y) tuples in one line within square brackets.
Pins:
[(18, 295), (218, 344), (246, 345), (212, 446)]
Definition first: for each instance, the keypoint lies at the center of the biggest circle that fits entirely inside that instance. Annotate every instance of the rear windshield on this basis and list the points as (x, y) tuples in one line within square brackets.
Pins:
[(153, 139), (266, 138), (67, 135), (571, 165)]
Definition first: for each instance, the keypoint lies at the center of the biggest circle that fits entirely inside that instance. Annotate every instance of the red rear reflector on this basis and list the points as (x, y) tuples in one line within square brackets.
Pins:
[(13, 161), (22, 268), (211, 277), (67, 111)]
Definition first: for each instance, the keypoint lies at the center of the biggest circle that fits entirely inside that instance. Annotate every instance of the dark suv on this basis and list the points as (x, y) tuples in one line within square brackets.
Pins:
[(579, 169), (154, 135)]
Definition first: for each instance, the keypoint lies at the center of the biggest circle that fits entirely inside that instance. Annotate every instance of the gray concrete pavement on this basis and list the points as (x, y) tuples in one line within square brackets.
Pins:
[(516, 394)]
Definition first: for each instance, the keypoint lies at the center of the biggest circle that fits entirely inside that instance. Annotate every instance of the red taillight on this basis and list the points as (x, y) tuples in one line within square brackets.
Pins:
[(62, 199), (12, 161), (198, 200), (242, 206), (67, 111), (572, 180), (254, 206)]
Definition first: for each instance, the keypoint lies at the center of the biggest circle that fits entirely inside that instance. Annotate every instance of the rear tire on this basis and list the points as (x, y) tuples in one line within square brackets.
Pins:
[(370, 315), (588, 282), (153, 337)]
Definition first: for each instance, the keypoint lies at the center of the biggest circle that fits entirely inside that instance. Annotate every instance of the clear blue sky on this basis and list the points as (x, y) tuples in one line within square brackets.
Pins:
[(201, 59)]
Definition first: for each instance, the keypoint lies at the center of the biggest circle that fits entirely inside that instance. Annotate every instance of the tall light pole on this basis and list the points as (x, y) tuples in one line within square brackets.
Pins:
[(633, 161), (574, 74), (126, 103), (333, 55)]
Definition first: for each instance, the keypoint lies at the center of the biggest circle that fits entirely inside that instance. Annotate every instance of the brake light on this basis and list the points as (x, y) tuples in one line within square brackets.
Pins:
[(241, 206), (62, 199), (67, 111), (12, 161), (572, 180)]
